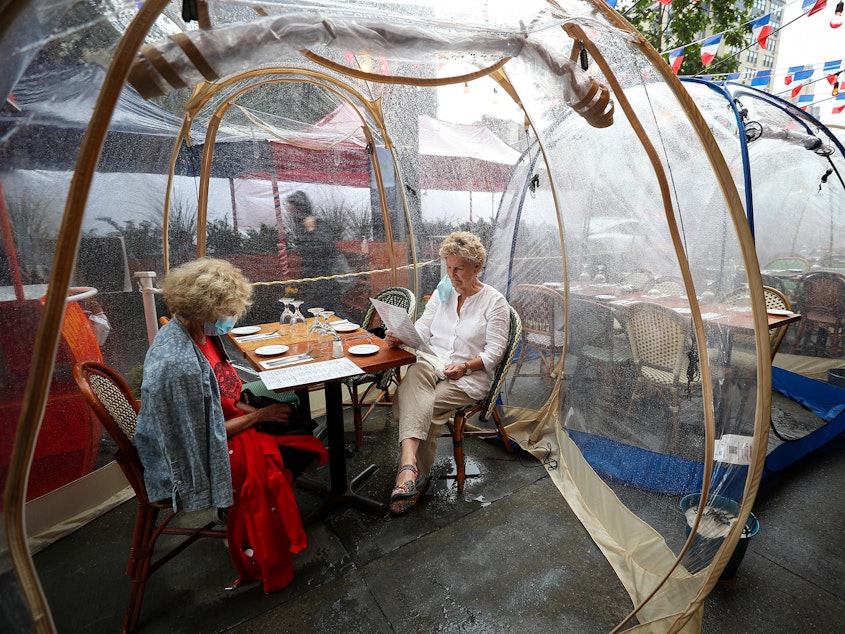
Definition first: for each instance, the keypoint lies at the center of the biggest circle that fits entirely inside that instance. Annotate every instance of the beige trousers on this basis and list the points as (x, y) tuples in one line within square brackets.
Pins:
[(422, 405)]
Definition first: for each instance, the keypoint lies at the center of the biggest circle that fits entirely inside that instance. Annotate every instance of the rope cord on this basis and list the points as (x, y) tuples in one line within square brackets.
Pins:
[(346, 275)]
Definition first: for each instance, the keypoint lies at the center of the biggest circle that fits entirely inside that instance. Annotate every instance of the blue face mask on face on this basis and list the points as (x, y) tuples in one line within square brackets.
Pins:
[(220, 327)]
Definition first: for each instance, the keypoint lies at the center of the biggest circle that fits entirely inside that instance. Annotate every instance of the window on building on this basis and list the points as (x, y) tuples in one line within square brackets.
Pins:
[(751, 57), (768, 61)]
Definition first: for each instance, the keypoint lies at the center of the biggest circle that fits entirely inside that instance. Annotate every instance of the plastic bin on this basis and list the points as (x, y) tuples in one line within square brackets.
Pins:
[(836, 376)]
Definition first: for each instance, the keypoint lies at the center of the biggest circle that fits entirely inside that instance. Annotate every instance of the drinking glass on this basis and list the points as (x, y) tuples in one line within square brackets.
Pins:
[(315, 325), (600, 277), (285, 317), (298, 327), (585, 273), (708, 296), (325, 333)]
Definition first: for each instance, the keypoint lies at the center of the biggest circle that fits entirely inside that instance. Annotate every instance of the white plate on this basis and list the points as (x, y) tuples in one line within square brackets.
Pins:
[(779, 311), (271, 351), (364, 348), (684, 311), (245, 330), (347, 327), (605, 296)]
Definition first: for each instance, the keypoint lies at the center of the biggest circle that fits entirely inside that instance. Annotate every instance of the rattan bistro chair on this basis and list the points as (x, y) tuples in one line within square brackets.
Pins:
[(669, 285), (486, 407), (776, 300), (381, 381), (114, 405), (597, 341), (822, 307), (541, 310), (660, 342), (745, 343)]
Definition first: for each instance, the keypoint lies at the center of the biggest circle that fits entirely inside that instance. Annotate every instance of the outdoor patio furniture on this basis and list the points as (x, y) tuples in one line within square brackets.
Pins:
[(822, 306), (113, 403), (661, 344), (639, 279), (794, 263), (773, 281), (776, 300), (541, 311), (486, 407), (669, 285), (598, 341), (381, 381), (788, 269)]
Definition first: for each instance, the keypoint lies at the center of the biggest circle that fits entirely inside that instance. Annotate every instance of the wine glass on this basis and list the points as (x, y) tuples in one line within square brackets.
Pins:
[(585, 273), (285, 317), (325, 333), (298, 327), (315, 325), (600, 277), (708, 296)]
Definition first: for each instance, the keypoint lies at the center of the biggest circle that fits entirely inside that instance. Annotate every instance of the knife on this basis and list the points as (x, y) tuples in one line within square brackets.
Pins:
[(259, 337), (275, 363)]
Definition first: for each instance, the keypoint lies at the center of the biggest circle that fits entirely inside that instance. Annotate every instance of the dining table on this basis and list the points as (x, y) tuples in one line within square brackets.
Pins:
[(737, 318), (284, 357)]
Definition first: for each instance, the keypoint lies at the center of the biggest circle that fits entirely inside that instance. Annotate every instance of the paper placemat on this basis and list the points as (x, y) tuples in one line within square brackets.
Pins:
[(308, 373)]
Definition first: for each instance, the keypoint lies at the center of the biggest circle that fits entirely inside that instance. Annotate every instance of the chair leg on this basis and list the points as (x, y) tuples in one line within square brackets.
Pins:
[(458, 446), (634, 394), (519, 362), (138, 568), (505, 438)]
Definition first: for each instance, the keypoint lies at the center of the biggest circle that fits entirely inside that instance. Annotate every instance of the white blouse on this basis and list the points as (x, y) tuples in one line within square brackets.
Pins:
[(481, 330)]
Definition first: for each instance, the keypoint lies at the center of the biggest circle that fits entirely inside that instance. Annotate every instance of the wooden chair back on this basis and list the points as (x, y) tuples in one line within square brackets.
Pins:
[(485, 408), (112, 401)]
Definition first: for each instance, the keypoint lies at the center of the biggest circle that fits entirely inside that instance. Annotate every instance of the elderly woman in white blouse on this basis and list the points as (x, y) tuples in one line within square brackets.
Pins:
[(466, 323)]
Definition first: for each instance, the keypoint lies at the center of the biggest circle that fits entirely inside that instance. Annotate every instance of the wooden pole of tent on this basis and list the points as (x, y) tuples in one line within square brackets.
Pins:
[(49, 328)]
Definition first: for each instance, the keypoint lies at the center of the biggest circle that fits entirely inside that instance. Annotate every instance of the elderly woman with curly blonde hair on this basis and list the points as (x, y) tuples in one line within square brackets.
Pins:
[(466, 324), (199, 440)]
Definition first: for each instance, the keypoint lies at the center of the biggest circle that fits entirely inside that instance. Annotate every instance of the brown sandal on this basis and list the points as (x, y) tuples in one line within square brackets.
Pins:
[(408, 488)]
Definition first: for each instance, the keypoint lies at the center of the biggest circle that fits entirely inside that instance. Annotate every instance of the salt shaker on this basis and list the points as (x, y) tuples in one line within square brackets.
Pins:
[(337, 348)]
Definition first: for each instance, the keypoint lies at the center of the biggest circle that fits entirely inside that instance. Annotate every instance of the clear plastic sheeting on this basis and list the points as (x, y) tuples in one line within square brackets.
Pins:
[(612, 222), (789, 168)]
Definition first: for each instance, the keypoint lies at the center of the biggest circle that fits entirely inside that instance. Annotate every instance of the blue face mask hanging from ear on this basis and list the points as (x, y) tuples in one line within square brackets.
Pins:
[(444, 289), (220, 327)]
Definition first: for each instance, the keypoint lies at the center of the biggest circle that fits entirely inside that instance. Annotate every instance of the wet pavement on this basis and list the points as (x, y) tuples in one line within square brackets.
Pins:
[(506, 553)]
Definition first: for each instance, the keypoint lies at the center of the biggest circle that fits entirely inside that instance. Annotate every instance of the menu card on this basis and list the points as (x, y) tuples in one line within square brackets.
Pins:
[(399, 324), (308, 373)]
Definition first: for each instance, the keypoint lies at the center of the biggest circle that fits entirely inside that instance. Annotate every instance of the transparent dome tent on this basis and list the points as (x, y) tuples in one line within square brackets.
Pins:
[(131, 141), (789, 169)]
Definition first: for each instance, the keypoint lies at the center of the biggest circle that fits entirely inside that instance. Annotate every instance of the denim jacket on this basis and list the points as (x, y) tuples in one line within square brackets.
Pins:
[(181, 433)]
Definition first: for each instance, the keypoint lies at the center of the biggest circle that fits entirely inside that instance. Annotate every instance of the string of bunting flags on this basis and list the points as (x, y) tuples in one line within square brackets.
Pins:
[(796, 77)]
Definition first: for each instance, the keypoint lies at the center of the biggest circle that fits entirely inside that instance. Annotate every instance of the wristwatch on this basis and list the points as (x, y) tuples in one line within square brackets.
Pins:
[(468, 371)]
